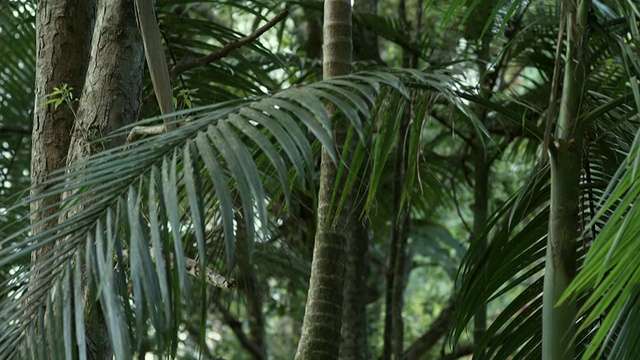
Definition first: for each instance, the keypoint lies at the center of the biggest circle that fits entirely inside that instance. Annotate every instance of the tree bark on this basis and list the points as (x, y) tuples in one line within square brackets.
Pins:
[(97, 50), (110, 100), (63, 44), (396, 276), (353, 344), (322, 323)]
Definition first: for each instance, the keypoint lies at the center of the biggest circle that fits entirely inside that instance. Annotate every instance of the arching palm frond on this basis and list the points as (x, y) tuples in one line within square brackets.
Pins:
[(142, 203)]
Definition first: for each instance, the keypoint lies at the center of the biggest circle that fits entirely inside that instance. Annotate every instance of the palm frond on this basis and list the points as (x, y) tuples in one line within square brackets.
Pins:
[(143, 202)]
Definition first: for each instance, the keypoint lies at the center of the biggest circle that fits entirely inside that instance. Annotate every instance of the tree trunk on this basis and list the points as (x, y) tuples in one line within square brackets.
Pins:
[(353, 345), (565, 152), (365, 42), (110, 100), (320, 337), (396, 281), (62, 48), (109, 82), (482, 169), (249, 283)]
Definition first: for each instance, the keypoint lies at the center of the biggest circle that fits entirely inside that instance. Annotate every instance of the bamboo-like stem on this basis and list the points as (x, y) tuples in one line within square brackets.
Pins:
[(565, 152)]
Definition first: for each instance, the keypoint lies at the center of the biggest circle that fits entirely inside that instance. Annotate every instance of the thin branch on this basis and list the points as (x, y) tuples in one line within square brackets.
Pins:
[(455, 200), (464, 350), (193, 268), (187, 64), (459, 352), (428, 340), (236, 327), (23, 130), (212, 278), (448, 126)]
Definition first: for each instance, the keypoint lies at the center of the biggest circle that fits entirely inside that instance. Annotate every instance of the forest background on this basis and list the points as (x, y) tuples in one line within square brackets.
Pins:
[(475, 147)]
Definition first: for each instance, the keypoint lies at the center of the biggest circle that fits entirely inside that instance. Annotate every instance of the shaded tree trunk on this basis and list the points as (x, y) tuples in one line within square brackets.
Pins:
[(62, 49), (322, 323), (365, 42), (95, 48), (353, 345), (396, 281), (482, 169), (249, 284)]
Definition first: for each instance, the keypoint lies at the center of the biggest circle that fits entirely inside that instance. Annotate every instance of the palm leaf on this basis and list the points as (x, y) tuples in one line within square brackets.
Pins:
[(222, 150)]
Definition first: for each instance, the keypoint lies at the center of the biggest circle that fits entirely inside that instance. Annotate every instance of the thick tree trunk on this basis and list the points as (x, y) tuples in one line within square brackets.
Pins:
[(110, 100), (558, 324), (63, 47), (97, 50), (322, 323)]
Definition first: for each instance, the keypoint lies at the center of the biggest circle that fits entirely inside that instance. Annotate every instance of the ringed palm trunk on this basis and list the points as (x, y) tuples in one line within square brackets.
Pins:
[(558, 324), (322, 322)]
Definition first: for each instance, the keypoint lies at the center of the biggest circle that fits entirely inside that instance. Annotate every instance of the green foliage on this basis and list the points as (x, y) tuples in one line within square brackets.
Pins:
[(162, 184), (249, 159), (59, 95)]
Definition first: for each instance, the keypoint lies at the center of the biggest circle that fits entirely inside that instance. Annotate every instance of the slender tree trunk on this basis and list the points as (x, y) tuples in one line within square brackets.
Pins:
[(396, 282), (565, 151), (480, 213), (365, 42), (481, 162), (353, 345), (322, 323), (482, 169), (249, 284)]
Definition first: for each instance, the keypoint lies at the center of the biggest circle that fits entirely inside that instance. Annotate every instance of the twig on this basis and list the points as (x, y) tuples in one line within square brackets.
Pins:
[(193, 268), (428, 340), (23, 130), (236, 327), (455, 201), (555, 80), (459, 352), (186, 65), (213, 278)]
